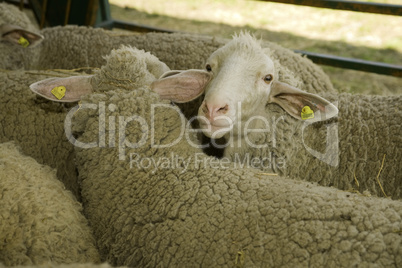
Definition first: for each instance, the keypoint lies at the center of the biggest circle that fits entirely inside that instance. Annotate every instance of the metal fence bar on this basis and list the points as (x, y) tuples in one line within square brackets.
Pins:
[(323, 59), (354, 64), (139, 27), (368, 7)]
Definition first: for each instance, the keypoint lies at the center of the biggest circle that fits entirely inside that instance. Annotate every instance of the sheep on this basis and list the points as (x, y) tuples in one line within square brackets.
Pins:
[(87, 46), (153, 198), (71, 47), (40, 221), (18, 38), (346, 151), (36, 125), (84, 48)]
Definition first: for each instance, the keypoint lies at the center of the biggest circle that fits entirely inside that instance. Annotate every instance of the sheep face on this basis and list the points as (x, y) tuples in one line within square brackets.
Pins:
[(239, 81), (242, 77)]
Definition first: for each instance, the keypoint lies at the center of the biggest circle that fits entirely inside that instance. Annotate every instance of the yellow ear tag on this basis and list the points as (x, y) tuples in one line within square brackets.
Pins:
[(59, 92), (23, 42), (307, 113)]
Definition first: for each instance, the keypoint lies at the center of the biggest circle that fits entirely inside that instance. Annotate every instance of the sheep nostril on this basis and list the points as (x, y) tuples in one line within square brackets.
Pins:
[(224, 109), (211, 111)]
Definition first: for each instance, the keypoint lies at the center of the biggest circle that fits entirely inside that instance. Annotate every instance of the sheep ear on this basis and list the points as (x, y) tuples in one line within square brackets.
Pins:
[(67, 89), (181, 86), (301, 105), (19, 36)]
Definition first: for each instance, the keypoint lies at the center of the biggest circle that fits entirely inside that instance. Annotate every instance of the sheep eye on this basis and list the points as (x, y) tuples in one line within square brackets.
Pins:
[(208, 67), (268, 78)]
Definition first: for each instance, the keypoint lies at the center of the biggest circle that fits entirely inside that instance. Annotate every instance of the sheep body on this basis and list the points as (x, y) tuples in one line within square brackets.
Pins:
[(195, 214), (175, 206), (40, 221), (340, 152), (346, 152), (369, 147), (36, 125)]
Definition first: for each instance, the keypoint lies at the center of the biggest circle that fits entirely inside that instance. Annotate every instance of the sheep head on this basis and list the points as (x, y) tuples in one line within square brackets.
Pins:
[(127, 68), (239, 80), (19, 36), (16, 28)]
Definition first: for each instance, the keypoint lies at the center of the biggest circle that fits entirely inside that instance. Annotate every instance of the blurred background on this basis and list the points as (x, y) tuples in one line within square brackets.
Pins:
[(366, 36)]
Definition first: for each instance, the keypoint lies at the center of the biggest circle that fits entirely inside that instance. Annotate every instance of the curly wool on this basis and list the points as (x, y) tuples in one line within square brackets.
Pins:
[(40, 221), (369, 133), (10, 14), (128, 67), (366, 129), (36, 125), (203, 215)]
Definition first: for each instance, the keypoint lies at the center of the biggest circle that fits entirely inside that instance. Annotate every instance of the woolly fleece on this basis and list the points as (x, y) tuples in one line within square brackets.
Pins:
[(10, 14), (350, 146), (367, 128), (36, 124), (127, 68), (207, 216), (40, 221)]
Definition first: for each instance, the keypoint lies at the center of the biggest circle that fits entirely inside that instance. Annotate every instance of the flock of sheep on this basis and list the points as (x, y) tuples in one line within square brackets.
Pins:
[(102, 164)]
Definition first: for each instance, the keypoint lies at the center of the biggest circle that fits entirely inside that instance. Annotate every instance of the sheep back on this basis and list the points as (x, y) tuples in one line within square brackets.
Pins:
[(36, 124), (366, 145), (40, 221), (206, 216)]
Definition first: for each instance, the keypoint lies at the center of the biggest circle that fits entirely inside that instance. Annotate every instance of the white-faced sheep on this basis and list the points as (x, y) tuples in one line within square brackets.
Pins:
[(40, 221), (242, 105), (153, 199)]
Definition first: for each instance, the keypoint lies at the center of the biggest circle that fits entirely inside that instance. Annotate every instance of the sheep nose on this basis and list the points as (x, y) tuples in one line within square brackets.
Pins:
[(213, 110)]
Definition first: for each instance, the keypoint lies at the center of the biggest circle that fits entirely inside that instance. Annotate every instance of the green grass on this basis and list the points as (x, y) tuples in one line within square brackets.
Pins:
[(343, 33)]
